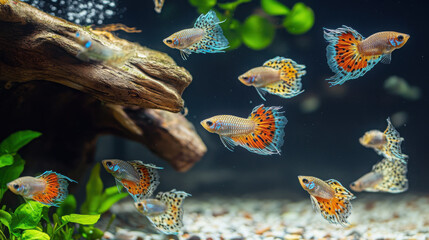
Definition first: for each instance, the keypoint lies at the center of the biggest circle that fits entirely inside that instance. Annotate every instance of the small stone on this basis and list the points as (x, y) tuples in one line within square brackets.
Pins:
[(292, 237), (194, 237), (262, 230)]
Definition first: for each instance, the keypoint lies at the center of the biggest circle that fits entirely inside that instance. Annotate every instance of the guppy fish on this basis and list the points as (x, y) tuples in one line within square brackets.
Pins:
[(329, 198), (205, 37), (158, 5), (262, 132), (350, 55), (386, 176), (92, 50), (387, 143), (165, 212), (279, 76), (50, 188), (140, 180)]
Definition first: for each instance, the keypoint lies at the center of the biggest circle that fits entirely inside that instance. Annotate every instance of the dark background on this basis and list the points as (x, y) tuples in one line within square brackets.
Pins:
[(323, 143)]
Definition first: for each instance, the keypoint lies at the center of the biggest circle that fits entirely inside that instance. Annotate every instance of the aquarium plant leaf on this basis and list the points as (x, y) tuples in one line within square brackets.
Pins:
[(81, 219), (257, 32), (203, 6), (274, 8), (232, 32), (10, 173), (5, 218), (90, 232), (108, 200), (26, 216), (231, 6), (34, 235), (68, 206), (300, 19), (17, 140), (6, 160), (94, 189)]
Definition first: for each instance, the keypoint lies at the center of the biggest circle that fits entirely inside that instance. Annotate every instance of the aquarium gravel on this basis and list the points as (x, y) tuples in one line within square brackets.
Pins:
[(382, 217)]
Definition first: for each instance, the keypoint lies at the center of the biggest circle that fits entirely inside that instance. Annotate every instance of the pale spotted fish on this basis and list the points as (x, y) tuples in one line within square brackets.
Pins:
[(205, 37), (278, 76), (350, 55), (329, 198)]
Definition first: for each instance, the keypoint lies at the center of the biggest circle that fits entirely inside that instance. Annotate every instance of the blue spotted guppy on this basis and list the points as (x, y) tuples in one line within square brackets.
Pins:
[(205, 37), (350, 55)]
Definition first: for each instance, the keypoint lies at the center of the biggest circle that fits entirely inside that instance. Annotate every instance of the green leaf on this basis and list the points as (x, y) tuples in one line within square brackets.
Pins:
[(6, 160), (203, 5), (257, 32), (231, 6), (10, 173), (108, 200), (5, 218), (274, 8), (68, 206), (81, 219), (90, 232), (232, 32), (17, 140), (27, 216), (300, 19), (94, 189), (35, 235)]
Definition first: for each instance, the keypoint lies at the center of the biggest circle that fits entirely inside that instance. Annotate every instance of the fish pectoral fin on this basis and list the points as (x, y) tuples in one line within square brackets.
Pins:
[(386, 58), (228, 143), (261, 92), (119, 185), (315, 205), (185, 53)]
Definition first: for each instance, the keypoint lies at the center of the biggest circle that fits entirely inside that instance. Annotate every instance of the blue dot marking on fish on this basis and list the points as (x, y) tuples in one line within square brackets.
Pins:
[(88, 44), (392, 42), (77, 34), (116, 168), (311, 185), (176, 42)]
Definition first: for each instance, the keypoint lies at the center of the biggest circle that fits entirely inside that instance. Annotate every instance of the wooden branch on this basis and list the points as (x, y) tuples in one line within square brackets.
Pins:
[(37, 46)]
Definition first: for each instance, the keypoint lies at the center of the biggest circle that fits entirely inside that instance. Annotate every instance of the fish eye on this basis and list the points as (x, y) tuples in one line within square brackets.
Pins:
[(400, 37), (353, 184), (304, 180), (169, 41), (109, 163), (16, 186), (245, 78), (139, 204), (209, 123)]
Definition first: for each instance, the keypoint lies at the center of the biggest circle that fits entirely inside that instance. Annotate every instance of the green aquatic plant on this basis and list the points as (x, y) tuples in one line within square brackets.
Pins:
[(32, 220), (258, 30)]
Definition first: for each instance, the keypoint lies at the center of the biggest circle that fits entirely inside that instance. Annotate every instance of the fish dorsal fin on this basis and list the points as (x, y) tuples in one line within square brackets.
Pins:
[(340, 191), (386, 58), (392, 149), (56, 188), (171, 221), (394, 176)]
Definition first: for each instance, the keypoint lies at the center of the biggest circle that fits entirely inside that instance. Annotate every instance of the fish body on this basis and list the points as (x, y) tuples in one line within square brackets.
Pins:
[(139, 180), (151, 207), (350, 55), (95, 51), (50, 188), (205, 37), (329, 198), (386, 176), (387, 143), (278, 76), (262, 132), (171, 220)]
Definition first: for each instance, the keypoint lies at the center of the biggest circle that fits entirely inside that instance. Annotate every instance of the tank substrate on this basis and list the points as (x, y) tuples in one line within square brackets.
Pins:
[(374, 216)]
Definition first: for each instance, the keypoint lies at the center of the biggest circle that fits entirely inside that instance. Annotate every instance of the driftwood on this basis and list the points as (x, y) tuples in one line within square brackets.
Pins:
[(44, 87)]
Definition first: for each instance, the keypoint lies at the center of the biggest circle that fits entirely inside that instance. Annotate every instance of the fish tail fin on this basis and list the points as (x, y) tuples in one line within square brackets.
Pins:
[(344, 57), (149, 180), (267, 137), (394, 176), (170, 222), (56, 189), (337, 209), (213, 41), (290, 75), (392, 149)]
